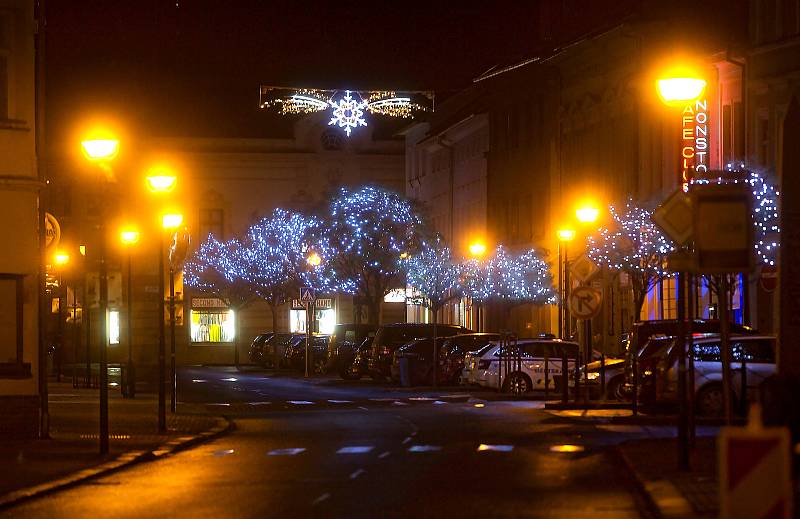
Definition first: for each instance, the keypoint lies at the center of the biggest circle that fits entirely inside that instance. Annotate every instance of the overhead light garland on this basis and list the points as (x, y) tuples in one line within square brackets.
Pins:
[(348, 108)]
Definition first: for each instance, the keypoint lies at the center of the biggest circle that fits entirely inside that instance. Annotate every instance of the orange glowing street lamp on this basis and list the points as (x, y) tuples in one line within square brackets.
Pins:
[(100, 149), (130, 237), (678, 91), (161, 180), (477, 249), (587, 214), (314, 259)]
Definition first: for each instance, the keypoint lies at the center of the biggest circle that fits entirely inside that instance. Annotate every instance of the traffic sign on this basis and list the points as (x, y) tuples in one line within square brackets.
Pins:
[(754, 472), (674, 217), (582, 268), (52, 231), (585, 302), (307, 295), (723, 228), (769, 278)]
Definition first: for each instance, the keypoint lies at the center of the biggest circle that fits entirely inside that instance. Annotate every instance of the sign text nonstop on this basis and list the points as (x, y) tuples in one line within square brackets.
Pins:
[(694, 139)]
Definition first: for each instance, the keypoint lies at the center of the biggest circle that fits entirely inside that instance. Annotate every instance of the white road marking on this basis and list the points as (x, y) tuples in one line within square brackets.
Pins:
[(421, 399), (363, 408), (259, 403), (230, 379), (224, 452), (340, 401), (384, 454), (199, 380), (484, 447), (406, 440), (320, 499), (424, 448), (301, 402), (355, 449), (286, 452), (439, 402), (398, 402), (357, 473)]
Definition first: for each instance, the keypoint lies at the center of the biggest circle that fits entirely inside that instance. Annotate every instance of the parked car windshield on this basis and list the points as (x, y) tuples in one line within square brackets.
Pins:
[(398, 335)]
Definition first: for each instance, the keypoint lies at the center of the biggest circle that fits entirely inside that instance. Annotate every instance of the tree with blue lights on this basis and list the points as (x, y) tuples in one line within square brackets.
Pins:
[(274, 249), (434, 274), (509, 278), (218, 269), (634, 244), (361, 240)]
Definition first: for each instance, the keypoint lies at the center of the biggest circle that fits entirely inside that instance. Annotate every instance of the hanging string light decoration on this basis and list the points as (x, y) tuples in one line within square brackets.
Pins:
[(634, 244), (515, 278), (766, 217), (349, 107)]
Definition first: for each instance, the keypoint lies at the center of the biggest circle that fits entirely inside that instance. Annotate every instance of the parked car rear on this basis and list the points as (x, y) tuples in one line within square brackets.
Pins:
[(274, 350), (344, 344), (256, 353), (318, 350), (452, 352), (392, 336)]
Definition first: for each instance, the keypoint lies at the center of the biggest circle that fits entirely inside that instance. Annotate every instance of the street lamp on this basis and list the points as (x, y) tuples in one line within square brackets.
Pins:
[(102, 151), (564, 237), (314, 260), (60, 259), (587, 214), (157, 184), (679, 90), (477, 249), (130, 237), (170, 222)]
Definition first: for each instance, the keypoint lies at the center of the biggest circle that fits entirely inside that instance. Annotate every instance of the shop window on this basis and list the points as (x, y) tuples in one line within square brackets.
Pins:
[(211, 222), (212, 325), (113, 327)]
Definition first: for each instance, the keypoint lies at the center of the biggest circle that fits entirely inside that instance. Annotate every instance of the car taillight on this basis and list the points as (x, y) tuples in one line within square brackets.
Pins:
[(484, 364), (384, 350)]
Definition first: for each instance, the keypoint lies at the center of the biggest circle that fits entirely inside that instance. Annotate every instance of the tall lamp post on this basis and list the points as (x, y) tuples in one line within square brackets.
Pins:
[(314, 260), (564, 237), (61, 259), (170, 223), (159, 182), (102, 151), (677, 91), (477, 249), (129, 238)]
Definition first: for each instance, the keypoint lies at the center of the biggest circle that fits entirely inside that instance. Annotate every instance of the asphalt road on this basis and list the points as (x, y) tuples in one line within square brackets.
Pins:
[(451, 459)]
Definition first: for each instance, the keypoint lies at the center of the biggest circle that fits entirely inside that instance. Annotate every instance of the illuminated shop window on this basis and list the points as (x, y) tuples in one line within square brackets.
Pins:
[(212, 325), (325, 321), (113, 327)]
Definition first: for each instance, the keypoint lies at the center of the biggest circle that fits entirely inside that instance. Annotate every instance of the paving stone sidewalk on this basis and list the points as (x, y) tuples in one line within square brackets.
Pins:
[(74, 428)]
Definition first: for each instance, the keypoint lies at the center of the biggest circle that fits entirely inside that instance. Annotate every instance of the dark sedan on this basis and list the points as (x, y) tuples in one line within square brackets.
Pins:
[(452, 351)]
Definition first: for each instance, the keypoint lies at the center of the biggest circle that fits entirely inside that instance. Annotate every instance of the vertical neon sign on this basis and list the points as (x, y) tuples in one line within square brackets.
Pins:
[(694, 141)]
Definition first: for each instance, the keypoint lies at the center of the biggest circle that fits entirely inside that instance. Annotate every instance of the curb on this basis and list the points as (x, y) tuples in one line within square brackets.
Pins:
[(663, 500), (127, 459)]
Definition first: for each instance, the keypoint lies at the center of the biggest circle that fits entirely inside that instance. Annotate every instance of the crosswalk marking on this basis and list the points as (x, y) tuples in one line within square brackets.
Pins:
[(286, 452), (301, 402), (355, 449), (484, 447), (223, 452), (424, 448)]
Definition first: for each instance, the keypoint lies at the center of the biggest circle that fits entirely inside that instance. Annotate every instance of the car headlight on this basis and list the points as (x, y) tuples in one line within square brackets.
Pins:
[(594, 375), (647, 373)]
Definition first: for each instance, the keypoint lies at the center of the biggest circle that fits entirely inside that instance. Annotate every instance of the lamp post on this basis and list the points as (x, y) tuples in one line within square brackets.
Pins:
[(314, 260), (587, 214), (159, 182), (130, 237), (102, 151), (61, 260), (477, 249), (678, 90), (170, 222), (564, 237)]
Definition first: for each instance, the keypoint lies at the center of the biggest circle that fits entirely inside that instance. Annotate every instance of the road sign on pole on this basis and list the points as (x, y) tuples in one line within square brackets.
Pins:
[(582, 268), (674, 217), (307, 295), (585, 302)]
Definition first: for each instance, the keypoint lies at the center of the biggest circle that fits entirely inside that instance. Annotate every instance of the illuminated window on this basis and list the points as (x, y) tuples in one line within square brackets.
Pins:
[(212, 325), (113, 327)]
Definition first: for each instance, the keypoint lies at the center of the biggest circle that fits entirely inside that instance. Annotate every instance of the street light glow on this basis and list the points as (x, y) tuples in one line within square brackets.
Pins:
[(566, 234), (314, 259), (477, 248), (680, 90), (129, 237), (160, 182), (171, 221), (587, 214), (100, 149), (61, 258)]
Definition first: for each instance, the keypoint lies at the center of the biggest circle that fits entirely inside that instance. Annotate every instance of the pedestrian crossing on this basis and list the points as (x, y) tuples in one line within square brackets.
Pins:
[(260, 406), (409, 447)]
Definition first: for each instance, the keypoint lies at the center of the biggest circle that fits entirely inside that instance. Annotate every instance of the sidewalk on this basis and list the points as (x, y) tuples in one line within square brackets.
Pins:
[(71, 453)]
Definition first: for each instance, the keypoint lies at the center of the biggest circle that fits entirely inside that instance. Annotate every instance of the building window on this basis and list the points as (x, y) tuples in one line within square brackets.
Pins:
[(332, 140), (113, 327), (11, 300), (212, 222)]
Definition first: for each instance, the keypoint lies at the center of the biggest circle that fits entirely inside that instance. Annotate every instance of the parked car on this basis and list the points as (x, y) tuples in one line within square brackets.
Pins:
[(344, 344), (360, 365), (755, 352), (390, 337), (614, 368), (523, 365), (274, 350), (256, 353), (318, 349), (452, 351)]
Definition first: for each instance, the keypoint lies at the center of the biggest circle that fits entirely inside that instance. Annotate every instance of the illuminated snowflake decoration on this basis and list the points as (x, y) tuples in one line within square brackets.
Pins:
[(348, 113)]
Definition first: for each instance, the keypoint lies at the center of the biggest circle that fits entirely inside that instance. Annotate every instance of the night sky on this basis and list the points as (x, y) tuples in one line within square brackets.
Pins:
[(193, 67)]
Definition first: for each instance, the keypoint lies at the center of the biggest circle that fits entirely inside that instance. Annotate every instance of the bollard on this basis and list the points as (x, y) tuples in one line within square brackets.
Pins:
[(635, 395), (564, 377), (578, 361), (743, 393), (546, 373), (602, 375)]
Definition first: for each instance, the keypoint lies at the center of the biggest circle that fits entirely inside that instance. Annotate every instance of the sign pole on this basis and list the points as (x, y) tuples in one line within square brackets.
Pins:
[(308, 332)]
